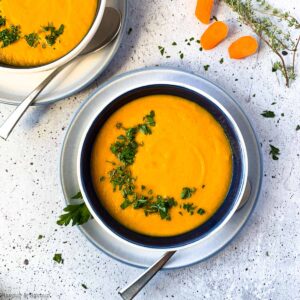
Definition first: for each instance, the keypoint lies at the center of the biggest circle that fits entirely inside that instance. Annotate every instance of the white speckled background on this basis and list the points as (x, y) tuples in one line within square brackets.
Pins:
[(263, 262)]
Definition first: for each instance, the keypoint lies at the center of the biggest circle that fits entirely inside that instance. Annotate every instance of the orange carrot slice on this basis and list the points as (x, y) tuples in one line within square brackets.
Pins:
[(214, 35), (243, 47), (203, 10)]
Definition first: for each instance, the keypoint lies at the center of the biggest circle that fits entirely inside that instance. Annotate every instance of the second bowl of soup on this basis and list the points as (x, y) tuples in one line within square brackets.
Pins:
[(162, 166)]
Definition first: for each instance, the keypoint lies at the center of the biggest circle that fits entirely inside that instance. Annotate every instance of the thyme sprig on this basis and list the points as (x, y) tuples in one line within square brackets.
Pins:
[(263, 21)]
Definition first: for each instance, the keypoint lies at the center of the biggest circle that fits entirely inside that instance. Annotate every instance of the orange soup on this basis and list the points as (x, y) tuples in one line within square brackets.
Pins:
[(161, 165)]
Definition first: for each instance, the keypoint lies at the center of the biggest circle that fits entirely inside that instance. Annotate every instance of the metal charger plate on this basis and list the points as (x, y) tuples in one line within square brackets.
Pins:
[(75, 77), (143, 257)]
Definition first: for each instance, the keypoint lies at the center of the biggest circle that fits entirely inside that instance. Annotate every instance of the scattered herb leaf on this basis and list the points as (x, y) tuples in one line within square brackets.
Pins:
[(268, 114), (32, 39), (274, 152), (58, 258), (187, 192)]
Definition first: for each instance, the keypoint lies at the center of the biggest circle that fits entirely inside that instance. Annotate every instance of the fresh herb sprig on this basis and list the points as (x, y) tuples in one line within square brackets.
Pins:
[(262, 23), (274, 152), (76, 214)]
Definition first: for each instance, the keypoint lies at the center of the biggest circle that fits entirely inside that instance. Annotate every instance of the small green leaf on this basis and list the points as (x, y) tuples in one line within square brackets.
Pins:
[(187, 192), (274, 152), (58, 258), (268, 114)]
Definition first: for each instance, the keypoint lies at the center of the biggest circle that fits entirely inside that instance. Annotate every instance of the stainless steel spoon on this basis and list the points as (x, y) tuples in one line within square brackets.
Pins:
[(130, 291), (107, 31)]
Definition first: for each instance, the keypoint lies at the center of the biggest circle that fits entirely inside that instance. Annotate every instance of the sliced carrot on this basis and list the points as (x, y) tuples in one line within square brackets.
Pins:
[(203, 10), (243, 47), (214, 35)]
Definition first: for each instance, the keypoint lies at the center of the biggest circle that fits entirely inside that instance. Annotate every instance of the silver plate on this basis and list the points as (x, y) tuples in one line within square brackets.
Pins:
[(141, 257), (75, 77)]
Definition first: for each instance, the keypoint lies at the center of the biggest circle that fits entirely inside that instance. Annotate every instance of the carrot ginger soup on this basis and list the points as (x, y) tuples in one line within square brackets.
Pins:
[(36, 32), (161, 165)]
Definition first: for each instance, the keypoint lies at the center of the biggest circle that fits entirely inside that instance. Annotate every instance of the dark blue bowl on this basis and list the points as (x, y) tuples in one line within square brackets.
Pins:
[(225, 211)]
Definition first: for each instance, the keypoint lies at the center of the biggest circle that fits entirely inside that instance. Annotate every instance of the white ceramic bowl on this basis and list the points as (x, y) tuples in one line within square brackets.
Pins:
[(64, 59)]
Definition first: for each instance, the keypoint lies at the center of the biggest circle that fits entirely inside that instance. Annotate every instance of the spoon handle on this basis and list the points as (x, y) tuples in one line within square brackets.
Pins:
[(9, 124), (132, 290)]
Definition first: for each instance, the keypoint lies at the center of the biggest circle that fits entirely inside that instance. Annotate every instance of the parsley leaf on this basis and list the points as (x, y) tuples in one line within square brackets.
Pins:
[(9, 35), (187, 192), (206, 67), (84, 286), (78, 214), (58, 258), (189, 207), (54, 33), (201, 211), (268, 114), (32, 39), (274, 152), (2, 21), (298, 127)]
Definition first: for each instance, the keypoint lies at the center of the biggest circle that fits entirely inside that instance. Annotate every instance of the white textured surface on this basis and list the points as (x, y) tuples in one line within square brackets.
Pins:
[(263, 262)]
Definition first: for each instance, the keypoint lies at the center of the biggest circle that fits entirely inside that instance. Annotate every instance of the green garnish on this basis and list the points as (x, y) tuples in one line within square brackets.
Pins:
[(40, 237), (9, 35), (77, 213), (161, 50), (84, 286), (58, 258), (189, 207), (187, 192), (2, 21), (54, 33), (181, 55), (174, 44), (32, 39), (275, 152), (201, 211), (125, 148), (102, 178), (161, 206), (268, 114), (206, 67), (298, 127), (221, 60)]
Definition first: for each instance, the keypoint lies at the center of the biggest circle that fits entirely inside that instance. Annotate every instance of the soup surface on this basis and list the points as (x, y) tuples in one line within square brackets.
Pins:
[(36, 32), (181, 170)]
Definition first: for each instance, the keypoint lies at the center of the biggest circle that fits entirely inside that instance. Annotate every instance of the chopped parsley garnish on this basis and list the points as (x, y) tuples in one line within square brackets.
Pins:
[(2, 21), (32, 39), (298, 127), (206, 67), (9, 35), (161, 206), (102, 178), (187, 192), (84, 286), (161, 50), (221, 60), (78, 214), (274, 152), (125, 148), (181, 55), (189, 207), (201, 211), (129, 31), (58, 258), (174, 44), (268, 114), (54, 33), (40, 237)]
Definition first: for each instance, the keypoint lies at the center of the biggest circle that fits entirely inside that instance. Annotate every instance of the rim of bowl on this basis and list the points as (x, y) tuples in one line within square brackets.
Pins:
[(213, 230), (70, 55)]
